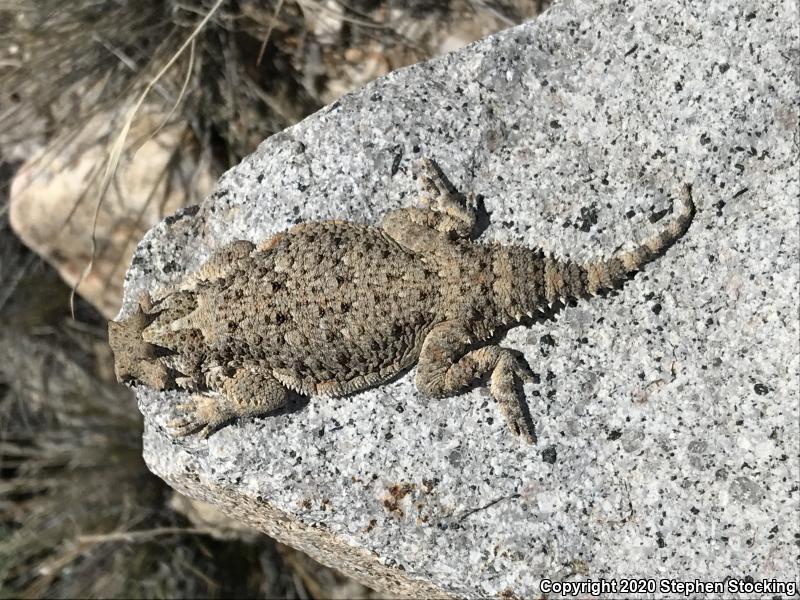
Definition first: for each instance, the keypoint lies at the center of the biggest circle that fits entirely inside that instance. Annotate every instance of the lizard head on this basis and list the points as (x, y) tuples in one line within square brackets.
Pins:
[(135, 360)]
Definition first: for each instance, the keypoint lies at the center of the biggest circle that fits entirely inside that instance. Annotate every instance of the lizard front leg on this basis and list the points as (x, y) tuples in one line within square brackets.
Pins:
[(446, 367), (248, 393)]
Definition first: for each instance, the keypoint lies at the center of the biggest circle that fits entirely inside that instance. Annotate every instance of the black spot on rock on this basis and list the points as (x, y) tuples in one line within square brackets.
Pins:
[(189, 211), (761, 389), (588, 218)]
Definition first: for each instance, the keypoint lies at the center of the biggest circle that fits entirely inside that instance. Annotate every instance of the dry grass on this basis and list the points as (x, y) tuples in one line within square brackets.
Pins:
[(80, 515)]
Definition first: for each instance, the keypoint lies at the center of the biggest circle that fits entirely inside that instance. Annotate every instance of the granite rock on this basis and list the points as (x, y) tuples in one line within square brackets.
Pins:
[(666, 414)]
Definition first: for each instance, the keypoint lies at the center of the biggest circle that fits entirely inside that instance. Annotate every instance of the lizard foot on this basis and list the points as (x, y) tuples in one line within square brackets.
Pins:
[(457, 217), (507, 372), (204, 414)]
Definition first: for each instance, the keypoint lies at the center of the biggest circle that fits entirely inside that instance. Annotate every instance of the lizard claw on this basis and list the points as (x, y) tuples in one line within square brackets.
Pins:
[(182, 426)]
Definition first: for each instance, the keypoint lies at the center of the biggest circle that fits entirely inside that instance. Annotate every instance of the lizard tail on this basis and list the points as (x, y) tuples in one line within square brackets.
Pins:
[(568, 279)]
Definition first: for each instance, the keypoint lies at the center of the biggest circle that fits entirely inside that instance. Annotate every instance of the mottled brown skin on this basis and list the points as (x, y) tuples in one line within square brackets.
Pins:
[(332, 308)]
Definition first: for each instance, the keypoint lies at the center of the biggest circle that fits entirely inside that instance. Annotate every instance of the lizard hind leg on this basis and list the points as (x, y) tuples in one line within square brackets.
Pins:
[(442, 216), (446, 367), (248, 393), (456, 218)]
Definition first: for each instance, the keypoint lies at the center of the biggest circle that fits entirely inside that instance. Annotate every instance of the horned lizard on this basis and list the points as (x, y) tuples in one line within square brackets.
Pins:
[(335, 307)]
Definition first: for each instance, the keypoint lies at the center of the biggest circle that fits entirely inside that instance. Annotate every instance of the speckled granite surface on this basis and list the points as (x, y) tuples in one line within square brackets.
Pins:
[(667, 413)]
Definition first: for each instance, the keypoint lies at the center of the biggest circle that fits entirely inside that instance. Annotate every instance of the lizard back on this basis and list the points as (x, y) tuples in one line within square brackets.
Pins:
[(334, 301)]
